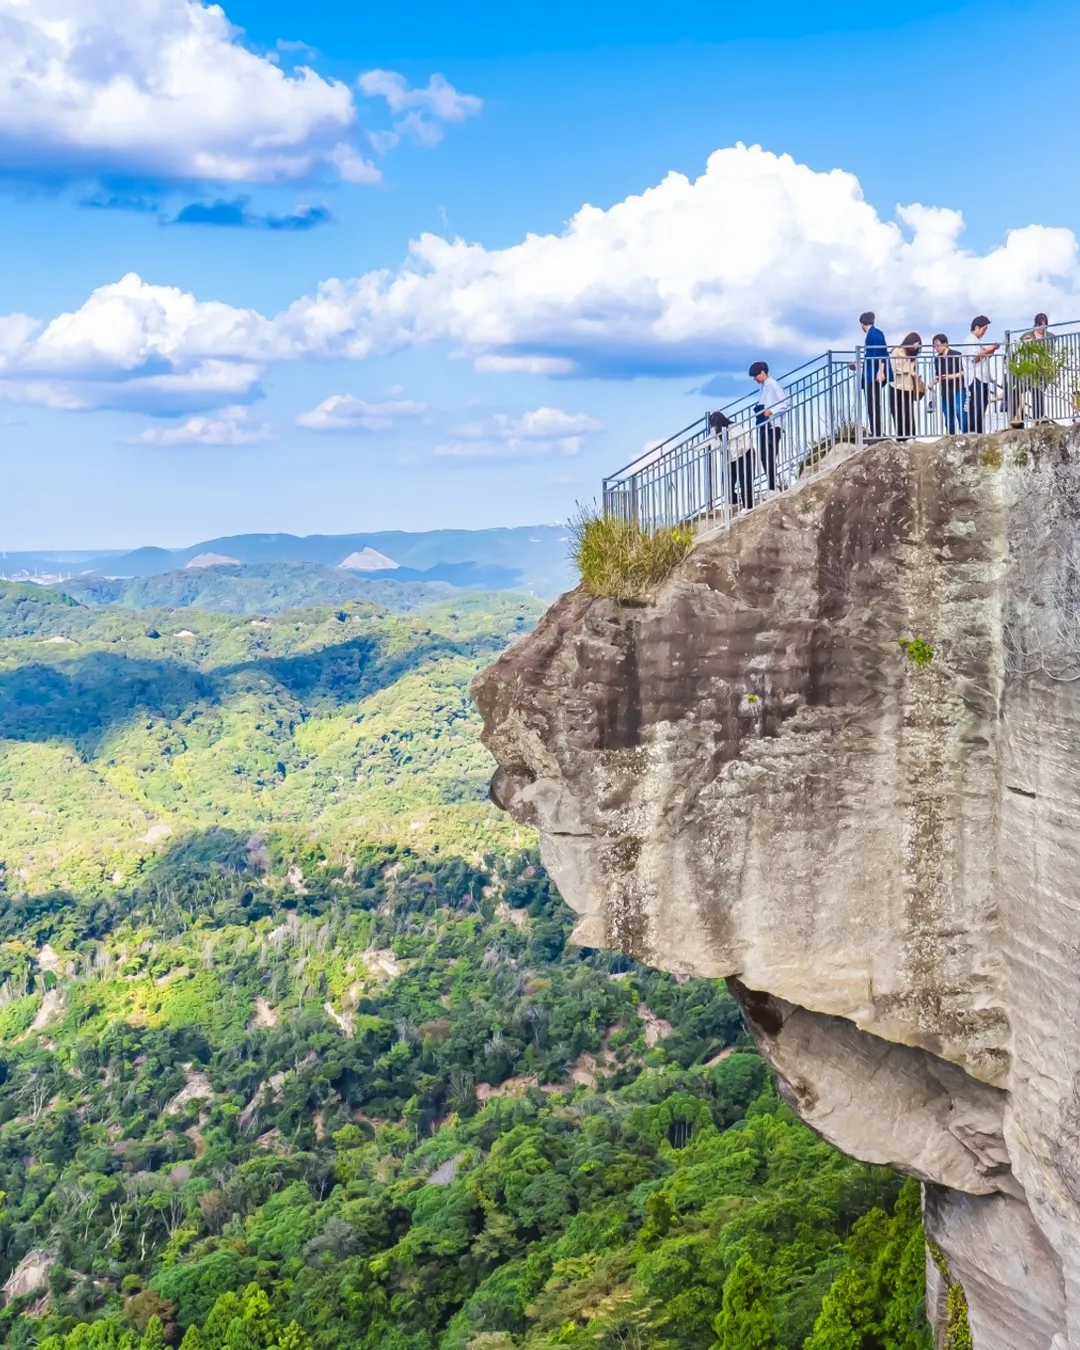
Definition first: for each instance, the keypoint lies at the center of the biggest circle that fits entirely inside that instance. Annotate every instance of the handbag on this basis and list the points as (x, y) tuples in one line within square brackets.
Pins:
[(920, 387)]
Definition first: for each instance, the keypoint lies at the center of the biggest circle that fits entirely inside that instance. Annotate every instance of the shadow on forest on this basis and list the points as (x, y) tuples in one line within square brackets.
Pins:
[(83, 699)]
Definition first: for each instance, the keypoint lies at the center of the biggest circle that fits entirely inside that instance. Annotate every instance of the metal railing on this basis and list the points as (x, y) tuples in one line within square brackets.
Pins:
[(730, 461)]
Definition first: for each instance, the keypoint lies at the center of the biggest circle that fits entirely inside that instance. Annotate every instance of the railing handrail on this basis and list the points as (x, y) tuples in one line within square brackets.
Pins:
[(658, 451), (651, 453)]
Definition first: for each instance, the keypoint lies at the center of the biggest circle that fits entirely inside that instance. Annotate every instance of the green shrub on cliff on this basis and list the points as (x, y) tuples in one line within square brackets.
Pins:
[(622, 559), (1036, 363)]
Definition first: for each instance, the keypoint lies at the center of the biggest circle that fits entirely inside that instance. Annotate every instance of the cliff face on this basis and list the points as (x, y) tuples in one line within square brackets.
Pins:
[(748, 777)]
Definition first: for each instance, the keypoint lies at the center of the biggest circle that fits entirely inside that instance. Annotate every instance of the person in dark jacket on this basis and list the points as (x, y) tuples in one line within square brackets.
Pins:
[(876, 369), (949, 382)]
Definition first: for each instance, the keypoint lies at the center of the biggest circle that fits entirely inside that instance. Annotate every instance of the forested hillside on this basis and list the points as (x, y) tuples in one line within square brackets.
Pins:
[(294, 1054), (120, 731)]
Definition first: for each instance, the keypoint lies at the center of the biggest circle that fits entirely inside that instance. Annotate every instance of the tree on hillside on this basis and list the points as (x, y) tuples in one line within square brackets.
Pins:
[(847, 1315), (745, 1320)]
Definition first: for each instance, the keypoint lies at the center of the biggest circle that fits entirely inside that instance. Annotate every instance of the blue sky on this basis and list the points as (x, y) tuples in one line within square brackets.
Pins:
[(204, 384)]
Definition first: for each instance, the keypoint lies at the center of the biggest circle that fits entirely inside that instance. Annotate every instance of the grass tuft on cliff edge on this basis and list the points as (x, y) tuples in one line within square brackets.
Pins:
[(624, 560)]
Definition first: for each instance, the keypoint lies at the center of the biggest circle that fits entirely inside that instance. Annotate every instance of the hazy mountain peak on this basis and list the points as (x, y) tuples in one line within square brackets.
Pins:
[(366, 560), (213, 560)]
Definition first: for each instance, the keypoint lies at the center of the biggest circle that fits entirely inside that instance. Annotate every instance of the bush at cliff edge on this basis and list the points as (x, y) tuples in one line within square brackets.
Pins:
[(624, 560)]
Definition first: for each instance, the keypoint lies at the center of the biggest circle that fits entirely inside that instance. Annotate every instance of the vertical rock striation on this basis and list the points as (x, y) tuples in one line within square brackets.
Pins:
[(748, 777)]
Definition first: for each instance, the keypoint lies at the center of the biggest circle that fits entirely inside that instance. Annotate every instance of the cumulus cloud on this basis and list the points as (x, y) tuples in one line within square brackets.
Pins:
[(757, 256), (544, 431), (346, 412), (163, 90), (136, 346), (232, 426), (421, 111)]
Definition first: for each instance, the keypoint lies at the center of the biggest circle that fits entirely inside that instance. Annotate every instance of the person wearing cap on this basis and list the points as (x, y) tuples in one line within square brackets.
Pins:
[(876, 369), (979, 388), (770, 411)]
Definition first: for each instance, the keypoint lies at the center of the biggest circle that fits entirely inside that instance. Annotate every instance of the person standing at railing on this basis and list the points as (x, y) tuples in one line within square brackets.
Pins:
[(1039, 333), (736, 458), (949, 382), (906, 386), (981, 374), (770, 421), (876, 369)]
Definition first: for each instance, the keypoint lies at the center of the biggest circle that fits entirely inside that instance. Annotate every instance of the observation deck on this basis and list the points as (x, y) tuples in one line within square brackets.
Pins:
[(837, 404)]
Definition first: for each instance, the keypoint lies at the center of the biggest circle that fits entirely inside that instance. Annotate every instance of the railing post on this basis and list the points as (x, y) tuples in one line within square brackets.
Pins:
[(710, 486), (860, 395), (831, 402)]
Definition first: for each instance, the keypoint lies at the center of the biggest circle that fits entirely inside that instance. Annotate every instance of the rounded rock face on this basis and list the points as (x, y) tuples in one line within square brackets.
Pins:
[(834, 760)]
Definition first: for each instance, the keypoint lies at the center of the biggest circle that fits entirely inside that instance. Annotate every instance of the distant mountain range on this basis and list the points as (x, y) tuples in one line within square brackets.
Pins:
[(256, 588), (532, 559)]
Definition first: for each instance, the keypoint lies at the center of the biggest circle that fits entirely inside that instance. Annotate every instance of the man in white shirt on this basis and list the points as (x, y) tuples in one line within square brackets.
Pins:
[(771, 410), (981, 373)]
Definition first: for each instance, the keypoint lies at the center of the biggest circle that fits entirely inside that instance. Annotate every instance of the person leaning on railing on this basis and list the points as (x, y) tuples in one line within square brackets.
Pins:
[(736, 461), (949, 382), (770, 419), (981, 380), (906, 385)]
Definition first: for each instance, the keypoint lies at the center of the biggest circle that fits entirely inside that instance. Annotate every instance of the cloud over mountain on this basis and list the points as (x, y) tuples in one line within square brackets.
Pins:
[(759, 255)]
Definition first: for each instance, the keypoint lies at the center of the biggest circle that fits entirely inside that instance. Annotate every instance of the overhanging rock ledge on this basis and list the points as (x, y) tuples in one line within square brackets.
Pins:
[(748, 777)]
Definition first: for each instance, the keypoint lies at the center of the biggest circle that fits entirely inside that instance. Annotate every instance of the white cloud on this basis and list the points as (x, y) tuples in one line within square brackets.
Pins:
[(544, 431), (231, 426), (165, 90), (438, 97), (346, 412), (523, 365), (424, 109), (136, 346), (758, 256)]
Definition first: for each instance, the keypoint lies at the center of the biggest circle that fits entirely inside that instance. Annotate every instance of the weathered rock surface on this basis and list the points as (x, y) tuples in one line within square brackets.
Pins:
[(747, 777)]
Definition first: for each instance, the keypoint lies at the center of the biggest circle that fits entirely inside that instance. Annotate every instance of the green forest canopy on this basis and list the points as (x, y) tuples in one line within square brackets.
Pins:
[(299, 1074)]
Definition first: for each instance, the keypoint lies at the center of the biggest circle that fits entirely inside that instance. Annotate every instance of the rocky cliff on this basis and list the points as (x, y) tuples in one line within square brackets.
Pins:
[(878, 844)]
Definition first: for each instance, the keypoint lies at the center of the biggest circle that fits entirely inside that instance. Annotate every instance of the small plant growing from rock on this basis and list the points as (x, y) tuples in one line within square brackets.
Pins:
[(917, 650), (990, 457), (751, 698), (957, 1326), (622, 559)]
